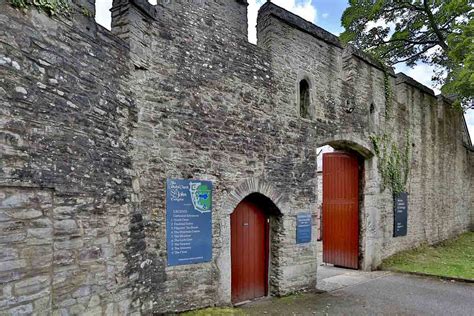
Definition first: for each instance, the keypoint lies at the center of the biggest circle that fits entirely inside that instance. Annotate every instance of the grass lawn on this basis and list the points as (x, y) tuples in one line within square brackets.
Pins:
[(452, 258)]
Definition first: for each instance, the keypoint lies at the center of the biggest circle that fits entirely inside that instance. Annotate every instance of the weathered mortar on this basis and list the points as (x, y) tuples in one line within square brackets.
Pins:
[(92, 124)]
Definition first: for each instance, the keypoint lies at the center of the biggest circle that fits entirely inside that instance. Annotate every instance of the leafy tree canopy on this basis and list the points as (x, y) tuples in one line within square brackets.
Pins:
[(436, 32)]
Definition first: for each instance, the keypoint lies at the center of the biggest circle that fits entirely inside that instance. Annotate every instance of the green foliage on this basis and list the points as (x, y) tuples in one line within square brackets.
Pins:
[(436, 32), (52, 7), (460, 80), (454, 258), (87, 13), (393, 164)]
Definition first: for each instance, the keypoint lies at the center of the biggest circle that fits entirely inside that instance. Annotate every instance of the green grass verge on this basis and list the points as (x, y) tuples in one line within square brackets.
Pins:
[(453, 258)]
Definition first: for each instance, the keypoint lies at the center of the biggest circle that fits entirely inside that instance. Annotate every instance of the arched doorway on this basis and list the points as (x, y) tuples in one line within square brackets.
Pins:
[(249, 252), (250, 247), (346, 199), (341, 180)]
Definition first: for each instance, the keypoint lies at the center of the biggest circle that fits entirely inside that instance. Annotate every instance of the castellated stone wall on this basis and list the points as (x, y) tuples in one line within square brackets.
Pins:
[(65, 172), (206, 111), (93, 123), (348, 93)]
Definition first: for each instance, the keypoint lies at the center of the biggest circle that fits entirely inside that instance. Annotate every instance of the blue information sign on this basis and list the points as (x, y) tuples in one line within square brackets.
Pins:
[(303, 228), (188, 221)]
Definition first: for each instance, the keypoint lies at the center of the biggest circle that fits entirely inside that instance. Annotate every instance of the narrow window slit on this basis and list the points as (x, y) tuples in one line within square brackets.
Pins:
[(304, 98)]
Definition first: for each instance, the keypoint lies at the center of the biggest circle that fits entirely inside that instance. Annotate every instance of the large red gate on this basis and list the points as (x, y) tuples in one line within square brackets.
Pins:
[(341, 210)]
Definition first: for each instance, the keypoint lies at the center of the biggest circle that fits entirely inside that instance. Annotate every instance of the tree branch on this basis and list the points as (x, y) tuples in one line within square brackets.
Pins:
[(414, 7), (433, 25), (416, 55), (415, 42)]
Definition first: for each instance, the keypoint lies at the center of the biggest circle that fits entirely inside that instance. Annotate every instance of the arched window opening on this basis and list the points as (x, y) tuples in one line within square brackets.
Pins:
[(304, 98)]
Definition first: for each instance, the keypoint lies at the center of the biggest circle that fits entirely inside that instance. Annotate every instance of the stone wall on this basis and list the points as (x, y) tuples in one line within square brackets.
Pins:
[(94, 122), (349, 105), (206, 112), (65, 171)]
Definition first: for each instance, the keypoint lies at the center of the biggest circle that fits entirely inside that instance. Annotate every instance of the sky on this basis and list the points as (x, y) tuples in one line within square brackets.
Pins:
[(324, 13)]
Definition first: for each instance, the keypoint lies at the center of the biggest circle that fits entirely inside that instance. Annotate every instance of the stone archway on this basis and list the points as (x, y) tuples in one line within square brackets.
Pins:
[(260, 190), (369, 217), (350, 142), (247, 187)]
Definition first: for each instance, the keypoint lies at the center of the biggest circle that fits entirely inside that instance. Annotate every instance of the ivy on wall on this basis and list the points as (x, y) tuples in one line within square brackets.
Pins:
[(388, 94), (394, 163), (52, 7)]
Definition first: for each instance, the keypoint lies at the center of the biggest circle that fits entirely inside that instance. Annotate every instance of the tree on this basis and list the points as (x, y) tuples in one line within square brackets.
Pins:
[(435, 32)]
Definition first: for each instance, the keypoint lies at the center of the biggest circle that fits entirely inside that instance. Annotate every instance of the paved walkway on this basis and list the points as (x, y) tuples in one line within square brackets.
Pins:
[(349, 292)]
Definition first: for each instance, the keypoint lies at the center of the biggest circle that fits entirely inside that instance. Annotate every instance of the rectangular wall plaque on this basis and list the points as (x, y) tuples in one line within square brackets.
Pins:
[(400, 212), (303, 228), (188, 221)]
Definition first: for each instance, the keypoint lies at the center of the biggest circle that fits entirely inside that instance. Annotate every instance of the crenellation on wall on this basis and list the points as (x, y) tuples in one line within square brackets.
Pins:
[(364, 83)]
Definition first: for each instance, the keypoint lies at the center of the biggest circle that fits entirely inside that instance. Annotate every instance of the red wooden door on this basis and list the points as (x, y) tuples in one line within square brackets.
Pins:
[(249, 252), (341, 210)]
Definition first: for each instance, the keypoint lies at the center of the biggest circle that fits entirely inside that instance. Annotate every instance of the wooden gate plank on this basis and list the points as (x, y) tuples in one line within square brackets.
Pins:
[(249, 252), (341, 210)]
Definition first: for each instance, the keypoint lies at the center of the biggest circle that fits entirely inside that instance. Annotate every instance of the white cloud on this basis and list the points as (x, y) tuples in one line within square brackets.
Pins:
[(422, 73), (321, 151), (303, 8), (325, 15), (102, 13), (470, 123), (380, 22)]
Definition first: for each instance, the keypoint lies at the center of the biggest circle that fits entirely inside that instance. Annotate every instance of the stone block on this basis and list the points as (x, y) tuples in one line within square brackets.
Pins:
[(94, 301), (31, 285), (64, 212), (13, 265), (23, 214), (26, 309), (82, 291), (42, 306), (78, 310), (7, 254), (65, 227), (68, 244), (38, 236), (20, 199)]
